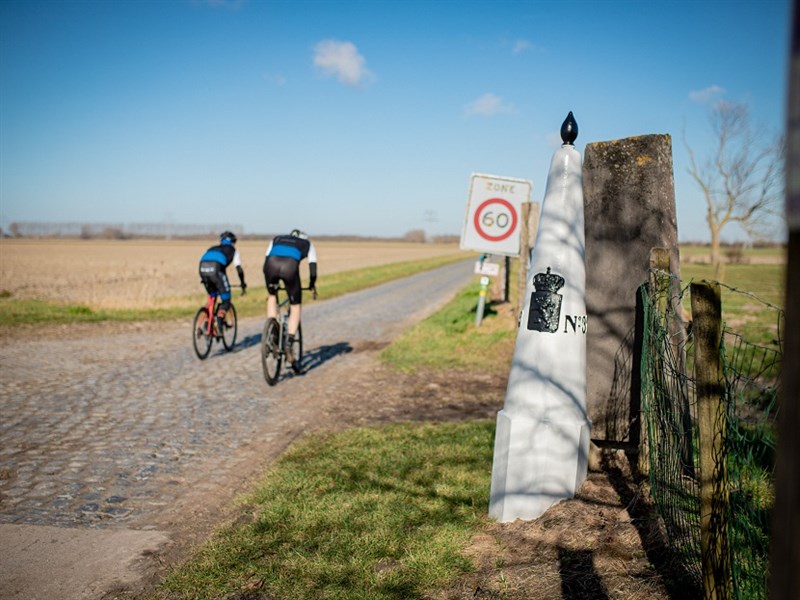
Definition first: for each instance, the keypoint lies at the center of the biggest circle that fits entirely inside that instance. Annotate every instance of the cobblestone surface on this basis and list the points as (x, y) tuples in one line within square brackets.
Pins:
[(130, 429)]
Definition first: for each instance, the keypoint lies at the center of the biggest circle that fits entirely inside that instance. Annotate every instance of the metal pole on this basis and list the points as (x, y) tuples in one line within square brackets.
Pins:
[(481, 301)]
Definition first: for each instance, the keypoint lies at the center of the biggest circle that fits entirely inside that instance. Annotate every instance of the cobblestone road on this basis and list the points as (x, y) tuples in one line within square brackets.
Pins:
[(128, 429)]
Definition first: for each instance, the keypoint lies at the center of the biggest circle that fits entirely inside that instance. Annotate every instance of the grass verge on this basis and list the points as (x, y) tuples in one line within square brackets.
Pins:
[(31, 311), (370, 513), (449, 338)]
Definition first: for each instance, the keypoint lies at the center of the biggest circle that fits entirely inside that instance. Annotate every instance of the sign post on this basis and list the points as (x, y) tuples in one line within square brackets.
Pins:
[(493, 222), (481, 300)]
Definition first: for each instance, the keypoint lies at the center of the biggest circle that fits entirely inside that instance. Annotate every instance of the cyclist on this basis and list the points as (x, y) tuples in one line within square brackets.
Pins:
[(282, 263), (213, 264)]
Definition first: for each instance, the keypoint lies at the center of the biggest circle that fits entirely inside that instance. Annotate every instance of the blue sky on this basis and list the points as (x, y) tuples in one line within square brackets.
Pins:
[(354, 117)]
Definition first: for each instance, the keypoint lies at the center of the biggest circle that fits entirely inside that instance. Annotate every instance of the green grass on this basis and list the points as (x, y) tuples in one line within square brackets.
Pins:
[(336, 284), (690, 251), (747, 294), (14, 311), (30, 311), (765, 281), (449, 339), (370, 513)]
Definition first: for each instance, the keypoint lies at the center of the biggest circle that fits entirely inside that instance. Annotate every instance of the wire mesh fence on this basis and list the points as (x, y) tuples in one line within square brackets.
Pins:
[(751, 362)]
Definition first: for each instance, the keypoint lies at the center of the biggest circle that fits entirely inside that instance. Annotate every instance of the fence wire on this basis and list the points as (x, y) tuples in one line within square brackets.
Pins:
[(671, 443)]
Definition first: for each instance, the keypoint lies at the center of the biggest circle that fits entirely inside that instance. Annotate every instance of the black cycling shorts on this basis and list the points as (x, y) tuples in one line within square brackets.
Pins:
[(215, 280), (283, 268)]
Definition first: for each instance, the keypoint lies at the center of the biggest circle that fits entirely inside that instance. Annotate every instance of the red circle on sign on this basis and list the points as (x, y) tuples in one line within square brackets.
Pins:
[(477, 220)]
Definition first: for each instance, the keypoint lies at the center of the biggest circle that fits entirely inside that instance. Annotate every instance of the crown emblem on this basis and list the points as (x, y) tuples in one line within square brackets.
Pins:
[(548, 282)]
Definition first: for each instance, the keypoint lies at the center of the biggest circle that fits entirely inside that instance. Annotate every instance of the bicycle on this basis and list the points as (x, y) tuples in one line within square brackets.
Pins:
[(205, 330), (273, 339)]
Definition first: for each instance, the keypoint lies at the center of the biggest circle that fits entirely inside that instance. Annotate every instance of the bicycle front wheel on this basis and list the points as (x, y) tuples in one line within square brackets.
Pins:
[(230, 326), (200, 338), (297, 350), (271, 355)]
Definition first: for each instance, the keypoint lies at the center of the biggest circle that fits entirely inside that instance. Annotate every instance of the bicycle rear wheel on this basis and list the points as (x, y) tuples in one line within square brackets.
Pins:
[(297, 350), (230, 326), (271, 355), (201, 341)]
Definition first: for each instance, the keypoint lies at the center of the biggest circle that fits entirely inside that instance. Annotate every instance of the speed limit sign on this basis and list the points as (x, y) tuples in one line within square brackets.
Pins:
[(492, 224)]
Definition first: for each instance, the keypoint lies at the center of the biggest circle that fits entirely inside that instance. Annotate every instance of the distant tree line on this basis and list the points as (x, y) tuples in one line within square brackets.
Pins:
[(114, 231), (121, 231)]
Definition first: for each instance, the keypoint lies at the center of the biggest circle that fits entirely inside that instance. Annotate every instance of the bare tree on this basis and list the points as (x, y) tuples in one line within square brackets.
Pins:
[(742, 180)]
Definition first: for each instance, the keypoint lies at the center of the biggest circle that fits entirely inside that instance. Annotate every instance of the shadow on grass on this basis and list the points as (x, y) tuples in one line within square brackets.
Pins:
[(579, 580)]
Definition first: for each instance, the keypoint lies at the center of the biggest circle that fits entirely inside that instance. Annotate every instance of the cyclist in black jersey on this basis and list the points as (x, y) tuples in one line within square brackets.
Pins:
[(213, 265), (282, 263)]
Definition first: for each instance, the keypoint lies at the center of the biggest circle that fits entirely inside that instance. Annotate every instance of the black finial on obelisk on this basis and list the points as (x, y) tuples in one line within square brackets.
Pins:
[(569, 129)]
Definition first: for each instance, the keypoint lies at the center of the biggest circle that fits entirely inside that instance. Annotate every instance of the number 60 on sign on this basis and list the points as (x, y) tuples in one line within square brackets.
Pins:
[(492, 224)]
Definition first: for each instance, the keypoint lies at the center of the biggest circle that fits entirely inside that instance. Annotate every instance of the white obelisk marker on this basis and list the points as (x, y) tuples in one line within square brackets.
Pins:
[(542, 440)]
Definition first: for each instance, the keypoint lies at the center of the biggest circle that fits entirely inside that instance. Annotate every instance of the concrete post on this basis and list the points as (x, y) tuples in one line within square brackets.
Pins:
[(629, 209), (542, 440)]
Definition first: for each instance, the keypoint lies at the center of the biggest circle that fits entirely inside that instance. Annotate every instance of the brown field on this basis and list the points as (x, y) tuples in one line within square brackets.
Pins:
[(152, 273)]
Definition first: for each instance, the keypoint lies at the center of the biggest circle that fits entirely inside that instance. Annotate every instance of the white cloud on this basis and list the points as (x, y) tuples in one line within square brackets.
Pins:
[(521, 46), (343, 61), (706, 95), (487, 105)]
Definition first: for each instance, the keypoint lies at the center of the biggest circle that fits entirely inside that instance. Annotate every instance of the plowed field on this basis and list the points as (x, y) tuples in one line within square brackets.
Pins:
[(152, 273)]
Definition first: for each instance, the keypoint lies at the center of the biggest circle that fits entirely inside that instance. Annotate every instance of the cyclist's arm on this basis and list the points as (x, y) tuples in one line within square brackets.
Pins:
[(237, 262), (312, 266), (312, 275)]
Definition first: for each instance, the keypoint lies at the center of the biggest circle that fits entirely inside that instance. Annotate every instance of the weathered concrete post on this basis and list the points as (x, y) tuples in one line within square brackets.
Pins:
[(629, 209), (542, 440)]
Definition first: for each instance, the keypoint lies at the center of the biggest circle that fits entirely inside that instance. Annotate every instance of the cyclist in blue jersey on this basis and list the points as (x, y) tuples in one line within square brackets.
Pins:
[(213, 265), (282, 263)]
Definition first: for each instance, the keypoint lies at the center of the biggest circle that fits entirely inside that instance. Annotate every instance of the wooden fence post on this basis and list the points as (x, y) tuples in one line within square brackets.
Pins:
[(524, 255), (529, 217), (659, 261), (707, 326)]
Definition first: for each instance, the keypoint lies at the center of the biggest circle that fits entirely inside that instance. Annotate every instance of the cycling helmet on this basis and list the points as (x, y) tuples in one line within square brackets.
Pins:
[(228, 236), (299, 234)]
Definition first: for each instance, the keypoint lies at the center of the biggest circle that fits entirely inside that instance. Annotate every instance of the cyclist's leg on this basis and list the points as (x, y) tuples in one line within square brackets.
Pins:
[(272, 306), (297, 350), (208, 271), (271, 280), (295, 293), (295, 311), (224, 289)]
